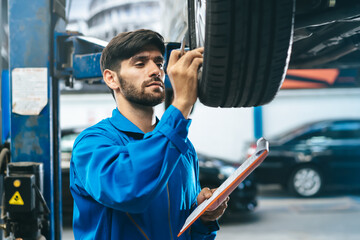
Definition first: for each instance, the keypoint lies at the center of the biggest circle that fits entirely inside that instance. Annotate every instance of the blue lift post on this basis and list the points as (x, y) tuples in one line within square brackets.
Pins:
[(41, 53), (258, 122), (35, 138), (5, 106)]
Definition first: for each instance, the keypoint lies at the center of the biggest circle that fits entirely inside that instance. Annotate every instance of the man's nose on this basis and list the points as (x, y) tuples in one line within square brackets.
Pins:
[(154, 70)]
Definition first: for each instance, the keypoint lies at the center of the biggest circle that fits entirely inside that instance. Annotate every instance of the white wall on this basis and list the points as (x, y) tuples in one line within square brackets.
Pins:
[(83, 110), (294, 107), (221, 132), (225, 132)]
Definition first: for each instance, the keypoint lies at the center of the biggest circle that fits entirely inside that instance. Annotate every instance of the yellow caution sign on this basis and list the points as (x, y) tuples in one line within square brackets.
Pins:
[(16, 199)]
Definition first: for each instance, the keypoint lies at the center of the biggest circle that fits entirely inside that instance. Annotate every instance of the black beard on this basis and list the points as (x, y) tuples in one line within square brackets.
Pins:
[(139, 96)]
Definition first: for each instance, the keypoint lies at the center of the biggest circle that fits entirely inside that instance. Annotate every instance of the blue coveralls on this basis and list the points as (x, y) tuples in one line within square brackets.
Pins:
[(127, 185)]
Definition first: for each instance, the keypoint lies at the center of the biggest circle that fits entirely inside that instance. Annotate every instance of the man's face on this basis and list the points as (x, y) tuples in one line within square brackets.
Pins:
[(142, 78)]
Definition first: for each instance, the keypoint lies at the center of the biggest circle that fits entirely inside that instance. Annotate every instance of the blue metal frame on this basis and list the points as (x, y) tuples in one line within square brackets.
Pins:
[(5, 106), (32, 138), (90, 62), (78, 56), (258, 122)]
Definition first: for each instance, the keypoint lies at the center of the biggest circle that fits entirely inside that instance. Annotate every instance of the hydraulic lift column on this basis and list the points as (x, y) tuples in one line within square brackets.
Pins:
[(34, 94)]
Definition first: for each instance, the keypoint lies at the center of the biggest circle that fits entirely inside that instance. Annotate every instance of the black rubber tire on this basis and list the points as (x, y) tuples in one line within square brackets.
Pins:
[(247, 46)]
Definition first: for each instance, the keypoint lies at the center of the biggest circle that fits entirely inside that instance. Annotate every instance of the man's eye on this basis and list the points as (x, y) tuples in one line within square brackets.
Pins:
[(139, 64), (160, 65)]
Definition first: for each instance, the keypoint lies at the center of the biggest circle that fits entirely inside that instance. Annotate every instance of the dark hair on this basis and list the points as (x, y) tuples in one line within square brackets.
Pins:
[(127, 44)]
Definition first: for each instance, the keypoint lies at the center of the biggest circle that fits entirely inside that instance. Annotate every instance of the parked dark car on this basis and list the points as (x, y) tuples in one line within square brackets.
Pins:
[(214, 171), (314, 157)]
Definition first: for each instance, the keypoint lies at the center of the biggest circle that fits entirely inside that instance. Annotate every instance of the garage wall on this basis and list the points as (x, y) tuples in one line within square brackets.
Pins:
[(221, 132), (224, 132), (292, 108), (82, 110)]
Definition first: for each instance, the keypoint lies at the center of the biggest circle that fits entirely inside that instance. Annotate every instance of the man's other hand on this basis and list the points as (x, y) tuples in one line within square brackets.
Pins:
[(208, 216)]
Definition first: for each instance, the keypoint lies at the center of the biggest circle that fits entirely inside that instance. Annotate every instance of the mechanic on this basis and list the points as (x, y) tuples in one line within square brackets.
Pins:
[(133, 176)]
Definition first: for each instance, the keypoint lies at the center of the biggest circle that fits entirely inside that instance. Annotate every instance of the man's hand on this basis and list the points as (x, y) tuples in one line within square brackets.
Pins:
[(183, 71), (215, 214)]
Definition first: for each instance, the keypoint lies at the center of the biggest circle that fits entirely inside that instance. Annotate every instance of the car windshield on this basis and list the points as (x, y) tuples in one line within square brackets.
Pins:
[(336, 130), (288, 135), (344, 130)]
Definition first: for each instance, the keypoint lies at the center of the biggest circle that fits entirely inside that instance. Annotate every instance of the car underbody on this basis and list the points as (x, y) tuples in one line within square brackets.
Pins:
[(326, 34)]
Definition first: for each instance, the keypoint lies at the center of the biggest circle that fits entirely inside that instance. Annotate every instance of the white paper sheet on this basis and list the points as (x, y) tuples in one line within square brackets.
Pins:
[(29, 90)]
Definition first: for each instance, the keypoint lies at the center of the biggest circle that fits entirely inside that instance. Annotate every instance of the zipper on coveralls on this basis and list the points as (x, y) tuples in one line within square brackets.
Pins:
[(138, 227), (167, 188), (169, 219)]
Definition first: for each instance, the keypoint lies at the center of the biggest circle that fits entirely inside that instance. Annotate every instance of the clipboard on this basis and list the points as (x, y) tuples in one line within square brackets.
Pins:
[(230, 184)]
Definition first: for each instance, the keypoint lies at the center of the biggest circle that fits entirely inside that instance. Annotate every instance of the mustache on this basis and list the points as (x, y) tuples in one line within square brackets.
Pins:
[(152, 80)]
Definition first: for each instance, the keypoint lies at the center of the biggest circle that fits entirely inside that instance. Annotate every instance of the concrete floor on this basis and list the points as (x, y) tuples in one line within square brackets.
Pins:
[(330, 218), (283, 217)]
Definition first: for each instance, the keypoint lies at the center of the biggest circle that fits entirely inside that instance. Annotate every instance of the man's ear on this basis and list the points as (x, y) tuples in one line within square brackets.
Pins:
[(111, 79)]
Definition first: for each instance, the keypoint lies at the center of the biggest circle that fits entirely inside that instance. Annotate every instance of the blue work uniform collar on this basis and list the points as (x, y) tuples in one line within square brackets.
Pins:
[(123, 124)]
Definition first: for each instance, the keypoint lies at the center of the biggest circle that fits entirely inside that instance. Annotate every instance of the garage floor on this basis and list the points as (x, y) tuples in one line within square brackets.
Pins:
[(283, 217)]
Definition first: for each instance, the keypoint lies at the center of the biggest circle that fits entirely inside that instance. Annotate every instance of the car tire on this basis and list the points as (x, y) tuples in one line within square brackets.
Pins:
[(246, 49), (306, 181)]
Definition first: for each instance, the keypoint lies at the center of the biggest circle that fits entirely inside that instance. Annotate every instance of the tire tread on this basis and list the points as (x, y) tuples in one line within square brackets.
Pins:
[(251, 40)]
